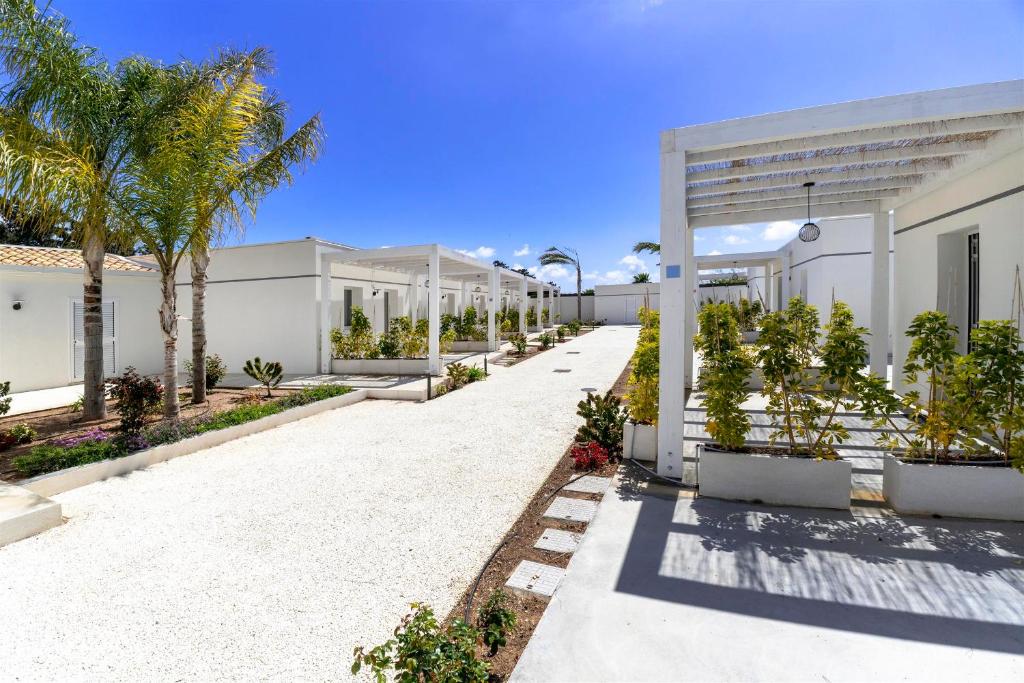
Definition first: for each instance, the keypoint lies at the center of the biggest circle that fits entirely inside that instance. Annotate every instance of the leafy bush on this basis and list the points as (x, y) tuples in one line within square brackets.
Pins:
[(307, 395), (726, 367), (573, 327), (588, 456), (424, 651), (496, 621), (531, 316), (546, 341), (476, 373), (81, 450), (5, 401), (359, 342), (134, 397), (545, 316), (22, 433), (268, 374), (519, 342), (643, 378), (458, 374), (560, 333), (215, 371), (447, 341), (604, 418)]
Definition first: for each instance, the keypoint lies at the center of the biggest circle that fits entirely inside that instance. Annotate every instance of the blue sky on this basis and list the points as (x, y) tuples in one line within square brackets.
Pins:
[(502, 128)]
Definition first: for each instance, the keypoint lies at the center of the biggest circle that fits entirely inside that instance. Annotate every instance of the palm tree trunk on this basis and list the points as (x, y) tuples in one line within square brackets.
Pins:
[(94, 405), (200, 262), (579, 293), (169, 327)]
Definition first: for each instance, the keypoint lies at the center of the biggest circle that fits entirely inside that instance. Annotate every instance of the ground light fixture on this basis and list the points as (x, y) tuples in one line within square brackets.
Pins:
[(809, 231)]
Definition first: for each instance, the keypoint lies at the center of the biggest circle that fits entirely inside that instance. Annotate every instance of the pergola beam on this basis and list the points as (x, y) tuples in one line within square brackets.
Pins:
[(974, 124), (798, 178), (800, 192), (783, 214), (892, 155), (817, 201)]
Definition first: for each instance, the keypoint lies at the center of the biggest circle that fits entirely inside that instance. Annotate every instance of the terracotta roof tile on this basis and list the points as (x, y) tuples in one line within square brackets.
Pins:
[(51, 257)]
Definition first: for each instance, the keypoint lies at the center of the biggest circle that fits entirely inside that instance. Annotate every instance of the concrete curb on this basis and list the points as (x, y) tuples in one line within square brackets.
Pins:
[(24, 514), (65, 480)]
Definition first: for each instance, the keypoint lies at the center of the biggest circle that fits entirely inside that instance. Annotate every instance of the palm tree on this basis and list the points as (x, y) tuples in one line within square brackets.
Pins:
[(568, 257), (256, 160), (652, 247), (68, 123), (639, 278)]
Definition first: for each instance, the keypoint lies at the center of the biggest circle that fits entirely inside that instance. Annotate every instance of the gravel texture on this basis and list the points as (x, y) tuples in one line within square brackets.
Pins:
[(272, 556)]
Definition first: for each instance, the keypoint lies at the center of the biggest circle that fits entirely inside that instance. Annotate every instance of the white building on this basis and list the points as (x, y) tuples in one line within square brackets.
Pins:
[(943, 171), (41, 331)]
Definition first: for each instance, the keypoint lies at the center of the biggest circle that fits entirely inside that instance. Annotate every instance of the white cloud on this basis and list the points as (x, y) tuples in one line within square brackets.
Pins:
[(734, 240), (714, 252), (552, 271), (738, 228), (780, 230), (479, 252), (697, 238), (633, 263), (524, 251)]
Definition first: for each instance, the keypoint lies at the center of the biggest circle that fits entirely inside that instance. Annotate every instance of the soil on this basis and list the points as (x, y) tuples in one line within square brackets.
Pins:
[(59, 423), (511, 358), (517, 546), (622, 383)]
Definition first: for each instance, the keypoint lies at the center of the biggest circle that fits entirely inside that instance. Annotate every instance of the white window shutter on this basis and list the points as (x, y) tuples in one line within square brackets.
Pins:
[(110, 366)]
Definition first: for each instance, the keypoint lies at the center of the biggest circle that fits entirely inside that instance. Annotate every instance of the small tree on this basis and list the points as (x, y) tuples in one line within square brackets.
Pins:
[(724, 375), (268, 374), (643, 377), (604, 419), (135, 397), (496, 621)]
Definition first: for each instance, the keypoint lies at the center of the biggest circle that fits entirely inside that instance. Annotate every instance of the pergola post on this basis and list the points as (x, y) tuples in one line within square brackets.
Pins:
[(675, 288), (769, 286), (434, 312), (537, 302), (880, 294), (325, 314), (541, 291), (493, 296), (690, 316), (785, 295), (464, 298), (414, 297), (522, 305)]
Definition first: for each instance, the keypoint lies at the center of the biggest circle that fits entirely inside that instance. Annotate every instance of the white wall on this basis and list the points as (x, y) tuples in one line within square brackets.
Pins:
[(924, 281), (35, 342), (618, 304), (568, 308)]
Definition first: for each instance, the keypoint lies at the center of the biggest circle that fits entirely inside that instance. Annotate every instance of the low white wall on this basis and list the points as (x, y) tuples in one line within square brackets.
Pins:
[(36, 341), (619, 304), (567, 306)]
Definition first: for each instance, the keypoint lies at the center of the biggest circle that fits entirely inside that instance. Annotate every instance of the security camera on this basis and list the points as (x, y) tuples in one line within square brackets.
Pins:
[(17, 305)]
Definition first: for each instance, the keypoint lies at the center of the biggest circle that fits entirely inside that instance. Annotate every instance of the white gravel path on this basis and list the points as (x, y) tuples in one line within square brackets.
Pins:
[(272, 556)]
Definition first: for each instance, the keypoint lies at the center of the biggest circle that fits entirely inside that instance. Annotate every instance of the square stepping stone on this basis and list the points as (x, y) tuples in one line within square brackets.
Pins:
[(534, 578), (558, 541), (572, 509), (590, 484)]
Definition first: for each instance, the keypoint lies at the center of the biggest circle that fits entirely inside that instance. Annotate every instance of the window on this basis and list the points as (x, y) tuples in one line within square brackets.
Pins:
[(78, 339), (347, 309)]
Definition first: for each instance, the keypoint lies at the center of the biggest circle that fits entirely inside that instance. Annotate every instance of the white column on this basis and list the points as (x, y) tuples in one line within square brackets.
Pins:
[(325, 314), (522, 305), (785, 281), (434, 312), (880, 294), (537, 304), (690, 316), (464, 298), (414, 298), (674, 290), (769, 286), (493, 297), (540, 307)]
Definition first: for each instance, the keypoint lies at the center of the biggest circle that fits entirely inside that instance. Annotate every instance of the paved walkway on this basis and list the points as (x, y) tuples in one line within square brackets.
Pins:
[(665, 587), (272, 556)]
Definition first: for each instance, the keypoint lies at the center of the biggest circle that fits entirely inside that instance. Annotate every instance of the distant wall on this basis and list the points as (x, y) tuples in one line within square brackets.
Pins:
[(567, 307), (619, 304)]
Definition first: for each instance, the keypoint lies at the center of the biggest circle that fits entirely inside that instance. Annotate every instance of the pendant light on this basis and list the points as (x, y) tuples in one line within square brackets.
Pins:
[(809, 231)]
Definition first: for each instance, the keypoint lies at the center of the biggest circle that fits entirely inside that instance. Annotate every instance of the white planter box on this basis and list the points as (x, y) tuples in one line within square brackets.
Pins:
[(776, 480), (953, 490), (751, 336), (639, 442), (379, 366), (755, 381), (470, 346)]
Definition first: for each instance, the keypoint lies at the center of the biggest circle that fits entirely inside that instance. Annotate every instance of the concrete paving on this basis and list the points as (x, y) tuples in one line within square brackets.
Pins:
[(272, 556), (665, 587)]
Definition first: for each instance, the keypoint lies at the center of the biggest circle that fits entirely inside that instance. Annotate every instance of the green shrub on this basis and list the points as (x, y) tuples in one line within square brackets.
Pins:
[(51, 458), (604, 418), (215, 371), (519, 343), (476, 373), (560, 333), (531, 316), (723, 378), (239, 415), (359, 342), (447, 341), (496, 621), (546, 341), (308, 395), (458, 374), (5, 401), (643, 378), (268, 374), (573, 327), (134, 397), (424, 651), (22, 433)]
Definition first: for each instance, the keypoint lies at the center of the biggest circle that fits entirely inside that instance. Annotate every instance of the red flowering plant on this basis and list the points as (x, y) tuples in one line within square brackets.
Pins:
[(588, 456)]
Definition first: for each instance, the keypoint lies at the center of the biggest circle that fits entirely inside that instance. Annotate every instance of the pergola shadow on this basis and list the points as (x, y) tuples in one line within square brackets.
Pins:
[(946, 582)]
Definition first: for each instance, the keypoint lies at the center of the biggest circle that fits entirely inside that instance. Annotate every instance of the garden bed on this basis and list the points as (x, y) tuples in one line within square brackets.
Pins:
[(953, 490), (518, 546), (224, 408)]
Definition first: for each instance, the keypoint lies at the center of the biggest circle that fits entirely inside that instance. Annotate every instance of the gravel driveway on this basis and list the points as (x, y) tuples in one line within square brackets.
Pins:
[(272, 556)]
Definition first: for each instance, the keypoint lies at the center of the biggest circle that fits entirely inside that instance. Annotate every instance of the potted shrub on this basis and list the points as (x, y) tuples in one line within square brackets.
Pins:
[(963, 453), (749, 314), (800, 466), (640, 432)]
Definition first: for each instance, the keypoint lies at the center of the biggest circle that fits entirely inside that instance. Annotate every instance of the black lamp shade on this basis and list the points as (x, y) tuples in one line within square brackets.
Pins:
[(809, 232)]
